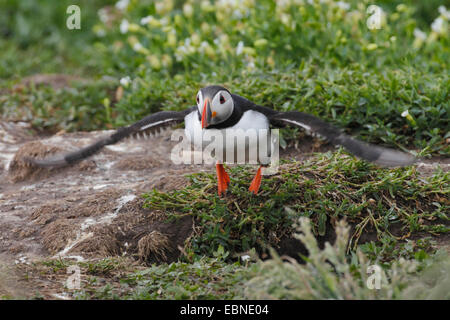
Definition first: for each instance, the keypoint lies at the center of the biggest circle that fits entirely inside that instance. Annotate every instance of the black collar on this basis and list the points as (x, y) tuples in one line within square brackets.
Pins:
[(231, 121)]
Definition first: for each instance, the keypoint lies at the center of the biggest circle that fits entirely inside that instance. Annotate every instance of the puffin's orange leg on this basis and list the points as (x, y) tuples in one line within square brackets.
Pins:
[(222, 179), (256, 183)]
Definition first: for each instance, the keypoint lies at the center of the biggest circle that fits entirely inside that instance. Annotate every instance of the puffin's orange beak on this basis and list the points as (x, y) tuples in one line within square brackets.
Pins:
[(206, 114)]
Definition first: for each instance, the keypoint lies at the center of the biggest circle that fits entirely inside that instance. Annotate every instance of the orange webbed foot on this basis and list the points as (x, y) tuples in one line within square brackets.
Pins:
[(256, 182), (222, 179)]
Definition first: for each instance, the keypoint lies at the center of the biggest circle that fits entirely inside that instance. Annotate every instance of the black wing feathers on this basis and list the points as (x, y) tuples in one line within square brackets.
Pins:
[(308, 122), (245, 105), (379, 155), (147, 124)]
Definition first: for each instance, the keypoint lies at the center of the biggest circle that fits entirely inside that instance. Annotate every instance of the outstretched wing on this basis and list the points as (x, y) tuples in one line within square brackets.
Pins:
[(145, 126), (382, 156)]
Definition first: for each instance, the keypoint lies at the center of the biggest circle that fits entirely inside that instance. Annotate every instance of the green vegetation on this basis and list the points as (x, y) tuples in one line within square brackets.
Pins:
[(325, 188), (328, 274), (120, 278), (34, 39)]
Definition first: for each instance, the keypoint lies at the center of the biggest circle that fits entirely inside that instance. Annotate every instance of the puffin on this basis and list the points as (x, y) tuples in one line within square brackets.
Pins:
[(217, 110)]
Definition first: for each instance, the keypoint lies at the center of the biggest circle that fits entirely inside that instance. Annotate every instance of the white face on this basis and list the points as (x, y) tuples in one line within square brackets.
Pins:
[(221, 106), (200, 101)]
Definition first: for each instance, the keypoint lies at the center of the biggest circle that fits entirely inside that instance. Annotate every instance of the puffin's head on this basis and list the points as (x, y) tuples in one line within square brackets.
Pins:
[(215, 105)]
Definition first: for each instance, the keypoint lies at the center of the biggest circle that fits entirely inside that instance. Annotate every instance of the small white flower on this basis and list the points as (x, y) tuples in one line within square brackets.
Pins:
[(125, 81), (137, 46), (164, 21), (443, 11), (188, 10), (103, 15), (237, 14), (206, 6), (245, 257), (159, 7), (122, 4), (420, 34), (146, 20), (438, 25), (124, 26), (100, 32), (283, 4), (240, 48), (285, 19), (184, 49), (405, 113), (343, 5)]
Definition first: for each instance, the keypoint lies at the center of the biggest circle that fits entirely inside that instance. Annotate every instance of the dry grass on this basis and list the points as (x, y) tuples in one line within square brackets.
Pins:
[(154, 244)]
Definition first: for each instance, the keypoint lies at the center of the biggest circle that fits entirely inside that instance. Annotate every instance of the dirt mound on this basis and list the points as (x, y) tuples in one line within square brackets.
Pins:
[(171, 180), (19, 170), (131, 230), (57, 234), (137, 164), (154, 243)]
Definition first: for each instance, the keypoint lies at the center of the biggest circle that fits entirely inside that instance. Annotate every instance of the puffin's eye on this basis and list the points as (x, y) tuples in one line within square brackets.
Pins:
[(222, 99), (198, 100)]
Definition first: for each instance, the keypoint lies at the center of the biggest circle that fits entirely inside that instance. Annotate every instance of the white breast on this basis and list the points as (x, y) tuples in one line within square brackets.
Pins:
[(251, 123), (252, 120)]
